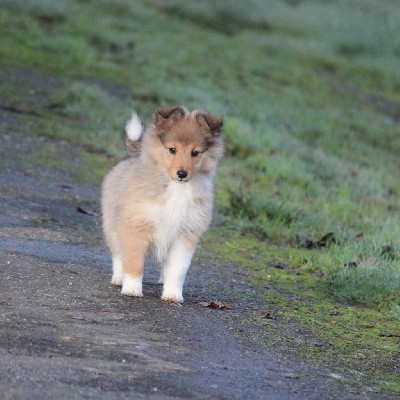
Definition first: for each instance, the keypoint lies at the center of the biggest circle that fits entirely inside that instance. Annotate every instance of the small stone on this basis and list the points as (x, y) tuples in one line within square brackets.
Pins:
[(292, 375), (336, 376)]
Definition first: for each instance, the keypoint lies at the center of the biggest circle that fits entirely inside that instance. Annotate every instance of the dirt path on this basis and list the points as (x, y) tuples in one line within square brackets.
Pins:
[(66, 333)]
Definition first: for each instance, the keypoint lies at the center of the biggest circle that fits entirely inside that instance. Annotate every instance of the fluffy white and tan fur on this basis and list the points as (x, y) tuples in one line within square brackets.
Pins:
[(161, 196)]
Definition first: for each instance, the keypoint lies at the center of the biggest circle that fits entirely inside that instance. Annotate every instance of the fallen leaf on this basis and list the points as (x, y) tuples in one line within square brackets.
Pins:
[(18, 109), (267, 315), (389, 334), (99, 152), (327, 240), (291, 375), (216, 305), (353, 173), (65, 186), (83, 211), (309, 243), (278, 264), (359, 236), (351, 264), (388, 251)]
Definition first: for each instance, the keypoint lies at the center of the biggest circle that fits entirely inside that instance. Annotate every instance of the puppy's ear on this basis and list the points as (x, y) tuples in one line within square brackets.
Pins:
[(213, 123), (166, 114)]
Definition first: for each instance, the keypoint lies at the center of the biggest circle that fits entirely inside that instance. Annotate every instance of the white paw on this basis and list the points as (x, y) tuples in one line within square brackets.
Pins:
[(172, 297), (132, 286), (117, 279)]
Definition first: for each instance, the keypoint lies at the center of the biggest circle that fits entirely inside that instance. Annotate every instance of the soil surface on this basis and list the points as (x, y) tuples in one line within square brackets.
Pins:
[(67, 333)]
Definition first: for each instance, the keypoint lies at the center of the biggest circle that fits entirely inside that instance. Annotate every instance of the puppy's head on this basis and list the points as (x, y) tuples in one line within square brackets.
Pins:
[(186, 143)]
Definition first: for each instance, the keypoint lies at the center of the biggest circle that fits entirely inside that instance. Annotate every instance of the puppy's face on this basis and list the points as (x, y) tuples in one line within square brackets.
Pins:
[(183, 160), (190, 142)]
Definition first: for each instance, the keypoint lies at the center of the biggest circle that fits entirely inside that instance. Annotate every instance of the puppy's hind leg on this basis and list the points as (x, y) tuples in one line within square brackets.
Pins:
[(176, 267)]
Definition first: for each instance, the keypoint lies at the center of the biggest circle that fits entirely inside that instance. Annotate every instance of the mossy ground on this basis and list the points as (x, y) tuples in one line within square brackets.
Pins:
[(310, 95), (360, 343)]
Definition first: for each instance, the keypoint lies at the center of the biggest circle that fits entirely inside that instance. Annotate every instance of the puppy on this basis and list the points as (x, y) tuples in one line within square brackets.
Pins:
[(161, 196)]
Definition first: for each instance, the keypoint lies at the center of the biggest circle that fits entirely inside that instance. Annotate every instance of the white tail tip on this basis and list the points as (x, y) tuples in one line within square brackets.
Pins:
[(133, 128)]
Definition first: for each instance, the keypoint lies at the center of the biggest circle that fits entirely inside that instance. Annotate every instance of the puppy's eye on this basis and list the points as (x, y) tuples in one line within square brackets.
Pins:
[(195, 153), (172, 150)]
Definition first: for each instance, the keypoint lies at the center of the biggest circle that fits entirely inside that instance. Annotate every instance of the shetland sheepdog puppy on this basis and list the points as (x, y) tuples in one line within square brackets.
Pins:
[(161, 196)]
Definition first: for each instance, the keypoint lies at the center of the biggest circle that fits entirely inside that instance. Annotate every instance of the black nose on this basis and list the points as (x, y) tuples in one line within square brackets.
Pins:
[(182, 174)]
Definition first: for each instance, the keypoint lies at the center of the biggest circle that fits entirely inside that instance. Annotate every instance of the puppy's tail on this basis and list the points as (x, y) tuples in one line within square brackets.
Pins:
[(133, 134)]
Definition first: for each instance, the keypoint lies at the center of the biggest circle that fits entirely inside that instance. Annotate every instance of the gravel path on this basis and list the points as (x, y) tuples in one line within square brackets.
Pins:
[(67, 333)]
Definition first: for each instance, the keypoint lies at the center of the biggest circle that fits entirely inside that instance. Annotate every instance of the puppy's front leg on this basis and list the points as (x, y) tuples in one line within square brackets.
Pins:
[(176, 267), (134, 246)]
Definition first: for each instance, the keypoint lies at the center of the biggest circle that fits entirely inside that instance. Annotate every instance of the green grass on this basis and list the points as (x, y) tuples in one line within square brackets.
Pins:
[(360, 343), (310, 95)]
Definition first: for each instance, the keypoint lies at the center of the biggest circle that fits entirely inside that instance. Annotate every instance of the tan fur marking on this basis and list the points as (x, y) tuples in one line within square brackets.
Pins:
[(134, 247), (183, 159), (191, 240)]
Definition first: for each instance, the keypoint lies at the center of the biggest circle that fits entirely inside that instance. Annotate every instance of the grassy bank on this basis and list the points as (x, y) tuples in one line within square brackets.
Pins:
[(309, 90)]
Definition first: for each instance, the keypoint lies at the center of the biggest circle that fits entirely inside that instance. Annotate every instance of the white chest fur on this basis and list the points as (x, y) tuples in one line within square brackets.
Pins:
[(182, 208)]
